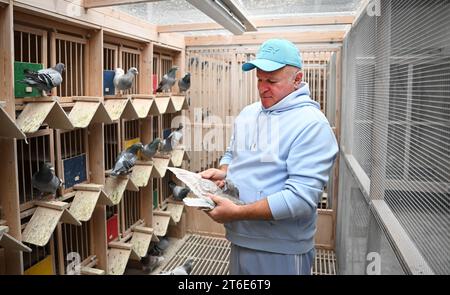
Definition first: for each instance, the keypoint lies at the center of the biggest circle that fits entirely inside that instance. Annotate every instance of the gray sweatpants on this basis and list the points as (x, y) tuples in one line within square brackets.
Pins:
[(244, 261)]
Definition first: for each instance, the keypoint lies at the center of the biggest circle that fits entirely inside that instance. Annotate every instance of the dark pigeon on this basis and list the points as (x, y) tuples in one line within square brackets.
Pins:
[(185, 83), (167, 81), (178, 192), (126, 160), (45, 180)]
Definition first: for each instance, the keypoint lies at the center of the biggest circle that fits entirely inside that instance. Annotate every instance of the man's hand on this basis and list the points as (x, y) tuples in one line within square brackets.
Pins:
[(225, 210), (216, 175)]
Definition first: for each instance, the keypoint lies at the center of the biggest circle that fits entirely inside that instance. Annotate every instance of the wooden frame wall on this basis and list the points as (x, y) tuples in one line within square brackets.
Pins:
[(8, 154)]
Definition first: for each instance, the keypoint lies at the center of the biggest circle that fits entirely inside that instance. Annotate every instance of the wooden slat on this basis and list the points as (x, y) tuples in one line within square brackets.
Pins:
[(117, 259), (179, 102), (176, 210), (161, 103), (141, 241), (142, 107), (84, 203), (91, 271)]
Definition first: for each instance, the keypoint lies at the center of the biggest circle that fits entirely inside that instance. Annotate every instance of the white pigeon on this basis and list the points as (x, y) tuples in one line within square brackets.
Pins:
[(124, 81), (184, 269)]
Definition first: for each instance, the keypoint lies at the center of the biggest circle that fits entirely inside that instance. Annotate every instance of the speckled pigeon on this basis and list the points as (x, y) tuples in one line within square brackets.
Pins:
[(45, 79)]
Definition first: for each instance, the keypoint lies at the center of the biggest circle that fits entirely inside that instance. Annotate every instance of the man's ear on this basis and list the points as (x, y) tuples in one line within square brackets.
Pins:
[(298, 79)]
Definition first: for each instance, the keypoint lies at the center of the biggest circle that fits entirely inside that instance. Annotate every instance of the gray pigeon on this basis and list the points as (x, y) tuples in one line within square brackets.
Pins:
[(178, 192), (185, 83), (150, 149), (151, 262), (45, 179), (167, 81), (124, 81), (126, 160), (172, 141), (184, 269), (45, 79)]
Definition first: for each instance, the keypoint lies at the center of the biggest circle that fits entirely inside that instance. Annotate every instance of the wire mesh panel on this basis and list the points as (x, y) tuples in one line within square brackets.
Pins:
[(111, 144), (397, 117), (130, 58), (29, 156), (71, 51)]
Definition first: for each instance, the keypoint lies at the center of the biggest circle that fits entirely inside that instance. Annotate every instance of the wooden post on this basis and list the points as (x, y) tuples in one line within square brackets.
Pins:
[(96, 147), (146, 70), (9, 189)]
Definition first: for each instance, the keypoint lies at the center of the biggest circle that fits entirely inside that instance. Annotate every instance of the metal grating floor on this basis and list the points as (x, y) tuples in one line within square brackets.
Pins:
[(324, 262), (211, 257)]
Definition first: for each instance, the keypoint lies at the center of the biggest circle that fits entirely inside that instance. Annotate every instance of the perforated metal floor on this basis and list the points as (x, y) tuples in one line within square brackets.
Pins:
[(211, 257)]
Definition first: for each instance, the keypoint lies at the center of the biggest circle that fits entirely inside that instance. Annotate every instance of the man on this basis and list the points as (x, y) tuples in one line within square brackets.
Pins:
[(280, 178)]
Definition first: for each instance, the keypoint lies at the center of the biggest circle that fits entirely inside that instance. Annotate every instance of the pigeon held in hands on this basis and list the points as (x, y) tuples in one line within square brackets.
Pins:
[(150, 149), (126, 160), (124, 81), (45, 180), (178, 192), (45, 79), (185, 83), (184, 269), (167, 81)]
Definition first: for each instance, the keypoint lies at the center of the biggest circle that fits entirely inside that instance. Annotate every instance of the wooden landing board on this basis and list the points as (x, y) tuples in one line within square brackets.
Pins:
[(35, 114), (44, 220), (176, 210), (159, 167), (178, 155), (141, 175), (118, 256), (9, 242), (142, 107), (120, 109), (142, 236), (91, 271), (161, 103), (85, 113), (8, 127), (179, 102), (160, 223), (84, 203), (115, 187)]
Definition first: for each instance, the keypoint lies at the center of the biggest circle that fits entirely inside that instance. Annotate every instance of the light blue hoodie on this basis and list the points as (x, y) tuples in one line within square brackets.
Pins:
[(285, 154)]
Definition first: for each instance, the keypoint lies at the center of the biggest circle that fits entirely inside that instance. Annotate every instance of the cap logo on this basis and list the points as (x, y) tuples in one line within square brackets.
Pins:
[(270, 49)]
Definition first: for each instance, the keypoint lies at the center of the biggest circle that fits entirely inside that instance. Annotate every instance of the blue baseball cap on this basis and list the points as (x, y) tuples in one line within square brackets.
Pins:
[(275, 54)]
